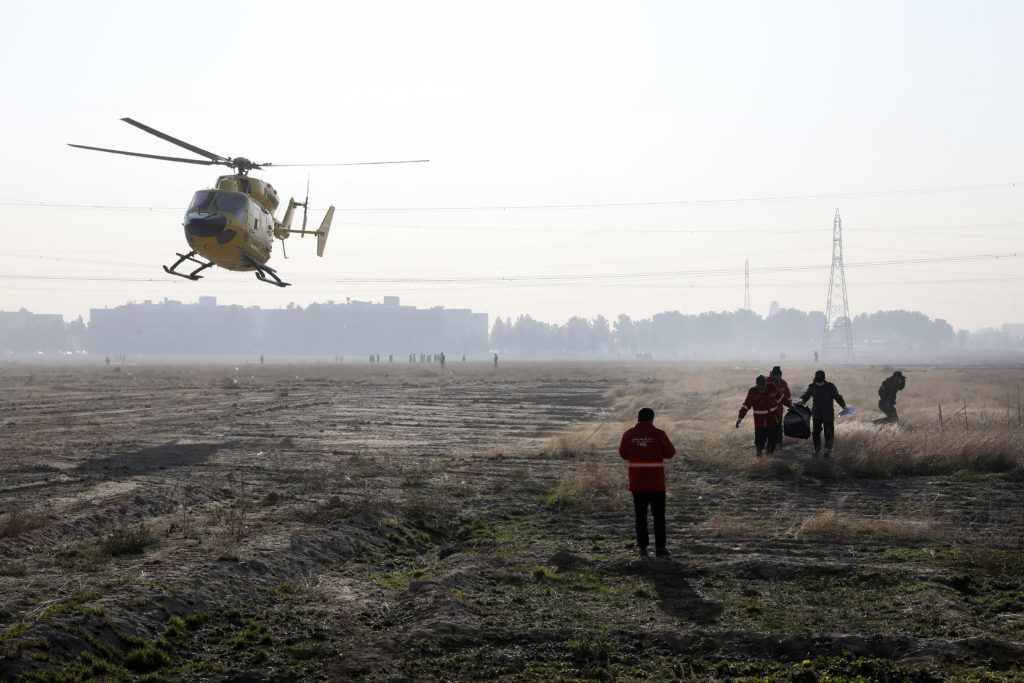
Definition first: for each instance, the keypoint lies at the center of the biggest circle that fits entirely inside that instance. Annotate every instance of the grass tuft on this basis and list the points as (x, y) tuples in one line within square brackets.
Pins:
[(570, 445), (837, 526), (591, 485), (20, 519), (127, 540), (144, 659)]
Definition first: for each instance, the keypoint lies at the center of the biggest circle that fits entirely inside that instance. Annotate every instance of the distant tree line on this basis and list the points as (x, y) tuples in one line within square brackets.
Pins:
[(361, 328), (711, 334)]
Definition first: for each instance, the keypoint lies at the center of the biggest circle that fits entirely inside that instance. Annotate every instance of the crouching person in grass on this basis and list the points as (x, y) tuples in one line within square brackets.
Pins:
[(646, 448)]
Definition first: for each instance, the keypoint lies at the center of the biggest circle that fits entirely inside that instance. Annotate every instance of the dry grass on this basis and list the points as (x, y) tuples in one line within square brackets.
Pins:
[(988, 447), (723, 525), (572, 445), (20, 519), (835, 525), (128, 539), (698, 406), (366, 502), (831, 525), (592, 485), (719, 457)]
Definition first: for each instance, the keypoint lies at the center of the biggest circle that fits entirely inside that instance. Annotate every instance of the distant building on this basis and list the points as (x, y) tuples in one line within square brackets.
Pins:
[(326, 330), (24, 332), (1015, 332)]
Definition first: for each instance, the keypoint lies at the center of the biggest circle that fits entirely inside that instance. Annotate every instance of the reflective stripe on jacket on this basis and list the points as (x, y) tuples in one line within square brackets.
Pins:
[(764, 405), (646, 448)]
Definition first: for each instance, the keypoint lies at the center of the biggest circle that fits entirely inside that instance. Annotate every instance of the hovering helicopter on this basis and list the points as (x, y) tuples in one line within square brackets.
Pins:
[(232, 225)]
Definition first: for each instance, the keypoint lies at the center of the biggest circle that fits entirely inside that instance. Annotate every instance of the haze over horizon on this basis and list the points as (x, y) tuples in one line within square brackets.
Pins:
[(586, 158)]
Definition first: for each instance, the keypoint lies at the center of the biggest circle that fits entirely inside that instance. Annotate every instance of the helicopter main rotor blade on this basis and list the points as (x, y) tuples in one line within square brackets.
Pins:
[(148, 156), (357, 163), (216, 158)]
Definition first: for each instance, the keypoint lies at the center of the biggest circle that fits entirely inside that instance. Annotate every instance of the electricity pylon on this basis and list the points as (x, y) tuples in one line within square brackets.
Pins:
[(837, 342)]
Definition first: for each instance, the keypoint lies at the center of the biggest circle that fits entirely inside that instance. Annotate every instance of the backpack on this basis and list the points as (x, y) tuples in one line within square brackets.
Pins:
[(797, 422)]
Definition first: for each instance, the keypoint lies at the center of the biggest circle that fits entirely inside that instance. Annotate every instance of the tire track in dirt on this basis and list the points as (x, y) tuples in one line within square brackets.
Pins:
[(304, 495)]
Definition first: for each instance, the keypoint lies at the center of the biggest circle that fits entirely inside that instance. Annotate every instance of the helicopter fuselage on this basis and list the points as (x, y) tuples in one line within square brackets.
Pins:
[(232, 225)]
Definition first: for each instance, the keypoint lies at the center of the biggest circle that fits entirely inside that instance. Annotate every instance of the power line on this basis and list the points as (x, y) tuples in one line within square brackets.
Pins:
[(599, 205), (91, 207), (698, 202), (562, 278), (702, 230)]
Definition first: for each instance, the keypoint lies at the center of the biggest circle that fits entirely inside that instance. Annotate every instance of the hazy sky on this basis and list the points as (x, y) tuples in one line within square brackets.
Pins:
[(586, 157)]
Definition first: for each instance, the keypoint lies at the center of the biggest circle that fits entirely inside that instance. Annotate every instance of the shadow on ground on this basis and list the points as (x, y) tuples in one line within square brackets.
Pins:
[(675, 595), (153, 458)]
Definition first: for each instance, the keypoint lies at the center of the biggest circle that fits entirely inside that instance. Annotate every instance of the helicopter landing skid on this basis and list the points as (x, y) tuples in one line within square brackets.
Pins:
[(190, 256), (266, 274)]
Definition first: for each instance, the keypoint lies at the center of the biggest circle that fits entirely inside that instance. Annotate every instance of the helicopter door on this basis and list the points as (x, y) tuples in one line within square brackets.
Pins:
[(262, 228)]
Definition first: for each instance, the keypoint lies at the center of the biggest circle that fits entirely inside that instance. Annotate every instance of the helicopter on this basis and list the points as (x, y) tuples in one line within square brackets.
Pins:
[(232, 225)]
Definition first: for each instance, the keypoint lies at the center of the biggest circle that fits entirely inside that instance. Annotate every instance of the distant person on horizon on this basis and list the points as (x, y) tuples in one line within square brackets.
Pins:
[(887, 397), (763, 399), (823, 416), (646, 448), (495, 360)]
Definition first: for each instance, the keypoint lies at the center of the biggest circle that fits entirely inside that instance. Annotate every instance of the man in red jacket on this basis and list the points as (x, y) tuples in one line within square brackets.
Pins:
[(775, 377), (763, 398), (646, 448)]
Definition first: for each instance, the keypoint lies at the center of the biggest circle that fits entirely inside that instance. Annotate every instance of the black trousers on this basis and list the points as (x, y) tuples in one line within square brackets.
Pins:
[(890, 413), (656, 499), (766, 437), (829, 427)]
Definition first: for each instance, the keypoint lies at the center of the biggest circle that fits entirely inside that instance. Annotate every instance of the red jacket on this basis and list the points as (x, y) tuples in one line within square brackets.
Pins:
[(646, 448), (785, 400), (765, 405)]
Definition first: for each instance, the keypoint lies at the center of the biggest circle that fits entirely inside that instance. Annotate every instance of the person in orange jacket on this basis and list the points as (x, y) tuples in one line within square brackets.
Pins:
[(764, 399), (646, 448)]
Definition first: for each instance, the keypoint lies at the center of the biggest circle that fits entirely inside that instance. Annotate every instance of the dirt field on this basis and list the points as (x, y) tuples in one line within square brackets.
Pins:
[(404, 522)]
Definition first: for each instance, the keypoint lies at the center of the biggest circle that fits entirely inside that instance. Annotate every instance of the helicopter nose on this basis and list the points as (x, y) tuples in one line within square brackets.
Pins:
[(205, 224)]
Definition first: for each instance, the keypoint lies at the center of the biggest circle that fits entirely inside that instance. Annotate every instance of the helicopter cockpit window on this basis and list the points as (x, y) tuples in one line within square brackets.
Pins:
[(214, 200)]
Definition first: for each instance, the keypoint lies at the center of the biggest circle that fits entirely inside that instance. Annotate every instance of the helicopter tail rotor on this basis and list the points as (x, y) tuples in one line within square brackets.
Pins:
[(321, 234)]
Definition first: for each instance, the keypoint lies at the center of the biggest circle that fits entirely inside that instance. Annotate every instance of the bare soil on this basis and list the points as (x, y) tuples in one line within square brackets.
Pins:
[(404, 522)]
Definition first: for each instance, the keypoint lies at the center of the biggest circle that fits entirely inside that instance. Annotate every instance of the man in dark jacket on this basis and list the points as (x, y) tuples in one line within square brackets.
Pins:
[(646, 448), (887, 397), (823, 415)]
